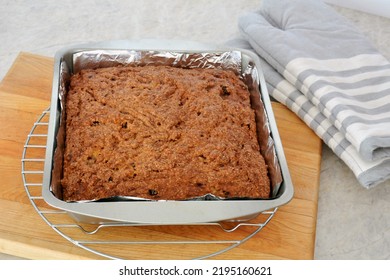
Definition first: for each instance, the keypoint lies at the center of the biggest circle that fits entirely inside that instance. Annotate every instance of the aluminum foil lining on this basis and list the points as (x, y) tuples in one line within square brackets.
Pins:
[(100, 59), (230, 60)]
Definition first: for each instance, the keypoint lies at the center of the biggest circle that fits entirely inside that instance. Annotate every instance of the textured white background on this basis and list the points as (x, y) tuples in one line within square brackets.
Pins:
[(353, 223), (376, 7)]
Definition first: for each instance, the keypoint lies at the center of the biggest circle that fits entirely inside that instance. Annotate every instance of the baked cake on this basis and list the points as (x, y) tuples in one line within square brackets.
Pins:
[(161, 133)]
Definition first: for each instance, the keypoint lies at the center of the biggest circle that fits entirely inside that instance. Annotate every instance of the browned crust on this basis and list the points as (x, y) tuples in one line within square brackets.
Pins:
[(160, 132)]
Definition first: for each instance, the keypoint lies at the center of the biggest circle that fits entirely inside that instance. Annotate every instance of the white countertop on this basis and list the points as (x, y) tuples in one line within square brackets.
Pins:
[(353, 223)]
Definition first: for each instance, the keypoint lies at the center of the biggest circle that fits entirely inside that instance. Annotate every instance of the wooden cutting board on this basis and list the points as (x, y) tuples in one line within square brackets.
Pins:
[(25, 94)]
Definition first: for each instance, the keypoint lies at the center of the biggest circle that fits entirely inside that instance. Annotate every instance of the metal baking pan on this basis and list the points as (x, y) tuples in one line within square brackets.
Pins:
[(160, 212)]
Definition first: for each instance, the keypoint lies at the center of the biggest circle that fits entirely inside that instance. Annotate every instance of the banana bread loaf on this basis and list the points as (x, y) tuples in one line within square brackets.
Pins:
[(161, 133)]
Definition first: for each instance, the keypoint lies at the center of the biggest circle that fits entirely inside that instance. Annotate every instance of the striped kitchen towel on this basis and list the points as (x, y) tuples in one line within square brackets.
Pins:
[(368, 173), (333, 67)]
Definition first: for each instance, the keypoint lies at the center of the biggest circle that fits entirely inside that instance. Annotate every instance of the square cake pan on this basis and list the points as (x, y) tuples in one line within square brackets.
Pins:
[(160, 212)]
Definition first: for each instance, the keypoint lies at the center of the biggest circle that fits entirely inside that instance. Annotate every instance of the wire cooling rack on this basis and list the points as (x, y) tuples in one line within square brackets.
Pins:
[(126, 240)]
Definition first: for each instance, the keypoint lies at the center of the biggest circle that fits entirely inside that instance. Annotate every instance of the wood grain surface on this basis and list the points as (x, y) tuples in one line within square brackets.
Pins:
[(25, 94)]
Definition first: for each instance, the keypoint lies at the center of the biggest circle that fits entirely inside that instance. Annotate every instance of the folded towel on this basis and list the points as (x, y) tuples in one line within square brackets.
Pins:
[(327, 59), (369, 174)]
